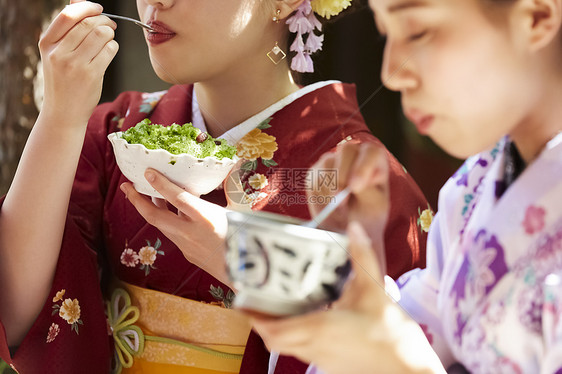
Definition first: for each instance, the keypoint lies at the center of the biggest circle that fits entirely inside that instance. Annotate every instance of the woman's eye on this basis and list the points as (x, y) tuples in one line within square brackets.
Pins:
[(417, 36)]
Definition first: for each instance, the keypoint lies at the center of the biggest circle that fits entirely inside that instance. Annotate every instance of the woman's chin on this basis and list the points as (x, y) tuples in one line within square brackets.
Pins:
[(460, 150), (464, 150), (163, 73), (172, 76)]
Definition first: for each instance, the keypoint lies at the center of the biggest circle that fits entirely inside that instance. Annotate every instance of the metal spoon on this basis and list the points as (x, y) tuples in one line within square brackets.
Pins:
[(136, 22), (328, 209)]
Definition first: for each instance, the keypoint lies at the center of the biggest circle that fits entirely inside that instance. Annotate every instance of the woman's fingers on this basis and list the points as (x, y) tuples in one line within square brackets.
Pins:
[(68, 18), (363, 290), (347, 154), (202, 215), (102, 60), (90, 33), (80, 37), (357, 165), (189, 204), (160, 203), (317, 189), (365, 263), (103, 50), (206, 215), (370, 167), (158, 216), (289, 335)]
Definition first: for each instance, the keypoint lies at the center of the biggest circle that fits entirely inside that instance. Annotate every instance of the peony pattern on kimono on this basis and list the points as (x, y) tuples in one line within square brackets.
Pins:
[(425, 218), (256, 146), (68, 310)]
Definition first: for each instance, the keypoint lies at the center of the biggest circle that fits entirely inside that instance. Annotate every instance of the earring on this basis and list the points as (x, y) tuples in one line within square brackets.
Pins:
[(276, 55), (276, 16)]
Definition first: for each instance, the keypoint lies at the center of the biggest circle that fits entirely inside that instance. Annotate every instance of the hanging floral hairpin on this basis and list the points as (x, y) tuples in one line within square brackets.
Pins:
[(329, 8), (304, 23)]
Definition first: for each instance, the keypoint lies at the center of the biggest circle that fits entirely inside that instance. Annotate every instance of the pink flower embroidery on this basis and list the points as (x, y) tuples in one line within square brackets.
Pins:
[(129, 258), (53, 332), (534, 219), (146, 256)]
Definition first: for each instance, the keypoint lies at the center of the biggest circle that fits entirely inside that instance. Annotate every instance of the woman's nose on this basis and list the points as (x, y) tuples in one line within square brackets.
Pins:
[(396, 72), (160, 4)]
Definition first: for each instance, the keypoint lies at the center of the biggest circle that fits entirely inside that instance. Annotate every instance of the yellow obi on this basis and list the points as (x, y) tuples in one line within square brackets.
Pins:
[(155, 332)]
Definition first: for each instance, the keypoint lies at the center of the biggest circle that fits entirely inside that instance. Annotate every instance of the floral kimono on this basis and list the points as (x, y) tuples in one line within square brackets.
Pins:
[(491, 295), (125, 299)]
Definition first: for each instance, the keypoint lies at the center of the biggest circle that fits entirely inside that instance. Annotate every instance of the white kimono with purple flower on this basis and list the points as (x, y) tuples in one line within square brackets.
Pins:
[(491, 295)]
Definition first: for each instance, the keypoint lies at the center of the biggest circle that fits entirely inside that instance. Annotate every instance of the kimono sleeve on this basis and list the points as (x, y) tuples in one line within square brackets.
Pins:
[(70, 334), (419, 291)]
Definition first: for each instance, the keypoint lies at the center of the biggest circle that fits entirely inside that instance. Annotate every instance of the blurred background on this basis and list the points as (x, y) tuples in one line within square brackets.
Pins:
[(352, 53)]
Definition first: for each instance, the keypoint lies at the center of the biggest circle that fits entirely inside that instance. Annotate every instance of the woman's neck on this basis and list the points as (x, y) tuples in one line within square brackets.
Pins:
[(541, 125), (226, 103)]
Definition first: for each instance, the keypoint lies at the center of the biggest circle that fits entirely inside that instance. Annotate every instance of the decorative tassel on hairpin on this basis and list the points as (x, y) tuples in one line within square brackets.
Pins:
[(304, 23)]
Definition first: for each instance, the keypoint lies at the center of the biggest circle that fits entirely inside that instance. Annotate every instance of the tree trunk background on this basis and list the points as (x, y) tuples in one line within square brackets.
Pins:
[(21, 23)]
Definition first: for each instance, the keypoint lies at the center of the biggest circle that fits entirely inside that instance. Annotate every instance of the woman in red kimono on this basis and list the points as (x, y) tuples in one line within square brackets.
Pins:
[(89, 286)]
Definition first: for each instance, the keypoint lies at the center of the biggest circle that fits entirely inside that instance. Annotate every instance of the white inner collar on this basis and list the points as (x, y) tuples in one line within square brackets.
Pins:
[(236, 133)]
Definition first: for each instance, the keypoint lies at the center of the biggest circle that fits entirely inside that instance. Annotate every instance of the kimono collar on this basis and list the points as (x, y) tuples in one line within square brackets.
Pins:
[(512, 168), (236, 133), (552, 143), (196, 116), (514, 163)]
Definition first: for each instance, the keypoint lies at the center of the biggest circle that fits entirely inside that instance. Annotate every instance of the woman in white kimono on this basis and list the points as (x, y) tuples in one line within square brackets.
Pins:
[(479, 77)]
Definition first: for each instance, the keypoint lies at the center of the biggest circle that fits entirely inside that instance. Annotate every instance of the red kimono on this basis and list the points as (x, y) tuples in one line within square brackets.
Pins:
[(102, 225)]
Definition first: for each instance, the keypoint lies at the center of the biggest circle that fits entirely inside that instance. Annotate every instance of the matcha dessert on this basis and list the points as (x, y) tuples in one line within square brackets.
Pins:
[(178, 139)]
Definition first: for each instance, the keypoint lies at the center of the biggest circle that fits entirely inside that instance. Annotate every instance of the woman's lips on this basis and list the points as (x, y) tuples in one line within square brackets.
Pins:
[(162, 33), (421, 120)]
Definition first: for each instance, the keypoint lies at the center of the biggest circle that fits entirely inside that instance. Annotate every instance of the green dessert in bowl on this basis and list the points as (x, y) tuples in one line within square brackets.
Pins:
[(192, 159)]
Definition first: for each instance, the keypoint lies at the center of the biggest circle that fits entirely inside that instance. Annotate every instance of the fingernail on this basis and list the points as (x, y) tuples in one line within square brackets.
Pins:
[(150, 176), (355, 230), (123, 188), (355, 184)]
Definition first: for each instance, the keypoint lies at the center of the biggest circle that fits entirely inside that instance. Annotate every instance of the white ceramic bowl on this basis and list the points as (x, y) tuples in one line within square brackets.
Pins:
[(195, 175), (280, 268)]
